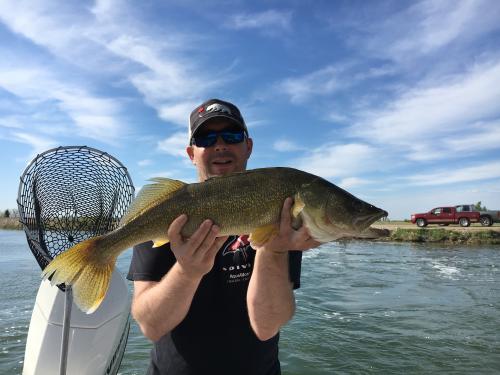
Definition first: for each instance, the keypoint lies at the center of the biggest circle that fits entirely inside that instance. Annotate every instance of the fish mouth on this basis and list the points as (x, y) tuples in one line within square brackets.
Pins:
[(364, 221)]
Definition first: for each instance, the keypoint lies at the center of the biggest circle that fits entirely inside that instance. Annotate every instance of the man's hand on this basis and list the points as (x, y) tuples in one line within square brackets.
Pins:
[(195, 255), (288, 238)]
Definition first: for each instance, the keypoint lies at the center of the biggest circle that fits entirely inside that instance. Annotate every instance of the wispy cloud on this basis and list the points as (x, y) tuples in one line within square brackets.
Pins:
[(168, 77), (11, 122), (174, 145), (340, 161), (350, 182), (336, 117), (439, 23), (320, 82), (37, 143), (427, 27), (329, 80), (482, 136), (177, 112), (94, 117), (478, 172), (269, 21), (418, 116), (286, 146), (45, 24), (144, 162), (165, 73)]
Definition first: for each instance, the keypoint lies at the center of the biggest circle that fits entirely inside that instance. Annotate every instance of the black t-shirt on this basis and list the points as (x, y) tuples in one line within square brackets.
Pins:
[(216, 336)]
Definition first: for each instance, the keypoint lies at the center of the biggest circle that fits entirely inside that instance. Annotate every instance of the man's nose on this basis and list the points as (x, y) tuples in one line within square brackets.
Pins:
[(220, 144)]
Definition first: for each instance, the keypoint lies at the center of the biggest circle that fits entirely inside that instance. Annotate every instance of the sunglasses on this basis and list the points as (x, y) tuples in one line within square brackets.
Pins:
[(208, 139)]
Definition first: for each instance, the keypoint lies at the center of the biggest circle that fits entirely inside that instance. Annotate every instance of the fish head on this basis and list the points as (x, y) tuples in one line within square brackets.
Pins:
[(331, 213)]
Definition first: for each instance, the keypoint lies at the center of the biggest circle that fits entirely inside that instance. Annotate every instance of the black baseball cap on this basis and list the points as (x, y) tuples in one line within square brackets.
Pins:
[(213, 108)]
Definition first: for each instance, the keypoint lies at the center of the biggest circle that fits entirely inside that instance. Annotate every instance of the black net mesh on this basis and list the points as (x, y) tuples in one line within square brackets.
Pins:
[(69, 194)]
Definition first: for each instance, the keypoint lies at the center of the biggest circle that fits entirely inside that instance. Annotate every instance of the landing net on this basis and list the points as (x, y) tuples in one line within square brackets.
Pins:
[(69, 194)]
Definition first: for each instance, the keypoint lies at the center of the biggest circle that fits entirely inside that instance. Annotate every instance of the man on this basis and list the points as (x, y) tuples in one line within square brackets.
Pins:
[(214, 305)]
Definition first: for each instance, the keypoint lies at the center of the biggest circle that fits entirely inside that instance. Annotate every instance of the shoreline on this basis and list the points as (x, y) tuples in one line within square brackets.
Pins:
[(400, 231), (396, 231), (10, 223)]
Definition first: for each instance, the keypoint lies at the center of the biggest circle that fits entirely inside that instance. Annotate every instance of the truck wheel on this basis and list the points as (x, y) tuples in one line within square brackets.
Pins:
[(485, 221), (421, 223), (464, 222)]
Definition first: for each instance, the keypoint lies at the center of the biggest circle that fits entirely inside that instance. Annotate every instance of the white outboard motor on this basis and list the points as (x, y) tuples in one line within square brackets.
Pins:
[(96, 341), (67, 195)]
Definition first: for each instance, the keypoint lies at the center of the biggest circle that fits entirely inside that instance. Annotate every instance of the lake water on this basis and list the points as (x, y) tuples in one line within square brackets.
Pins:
[(363, 307)]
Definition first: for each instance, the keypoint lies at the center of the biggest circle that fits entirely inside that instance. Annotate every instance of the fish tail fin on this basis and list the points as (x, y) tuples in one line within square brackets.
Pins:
[(87, 271)]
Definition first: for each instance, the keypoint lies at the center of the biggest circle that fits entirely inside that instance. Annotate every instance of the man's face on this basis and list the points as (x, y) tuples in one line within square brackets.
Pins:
[(221, 158)]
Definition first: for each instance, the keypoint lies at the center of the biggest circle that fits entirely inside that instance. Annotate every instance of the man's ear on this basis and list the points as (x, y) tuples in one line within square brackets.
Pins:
[(190, 152), (249, 147)]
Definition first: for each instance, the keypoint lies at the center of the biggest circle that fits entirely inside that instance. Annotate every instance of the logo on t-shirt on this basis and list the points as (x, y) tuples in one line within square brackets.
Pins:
[(236, 262), (238, 248)]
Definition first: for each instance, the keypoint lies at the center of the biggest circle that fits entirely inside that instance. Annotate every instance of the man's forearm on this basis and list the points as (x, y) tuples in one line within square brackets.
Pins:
[(270, 298), (161, 307)]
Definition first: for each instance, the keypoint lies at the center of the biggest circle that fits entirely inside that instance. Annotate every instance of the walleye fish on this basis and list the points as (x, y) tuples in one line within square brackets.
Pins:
[(240, 203)]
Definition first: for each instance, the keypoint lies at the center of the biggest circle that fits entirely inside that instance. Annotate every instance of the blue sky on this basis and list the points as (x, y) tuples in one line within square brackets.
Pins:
[(396, 101)]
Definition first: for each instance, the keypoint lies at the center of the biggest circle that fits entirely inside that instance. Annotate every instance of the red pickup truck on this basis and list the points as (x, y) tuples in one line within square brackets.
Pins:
[(445, 215)]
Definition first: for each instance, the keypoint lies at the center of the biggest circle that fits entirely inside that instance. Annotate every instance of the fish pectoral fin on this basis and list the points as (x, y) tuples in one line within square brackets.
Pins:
[(298, 206), (160, 241), (262, 234)]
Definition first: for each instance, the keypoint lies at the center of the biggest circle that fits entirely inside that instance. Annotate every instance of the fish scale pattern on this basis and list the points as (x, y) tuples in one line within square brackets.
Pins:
[(68, 194)]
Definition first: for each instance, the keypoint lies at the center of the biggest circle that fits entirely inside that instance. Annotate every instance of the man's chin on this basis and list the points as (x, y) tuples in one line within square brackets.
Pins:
[(221, 170)]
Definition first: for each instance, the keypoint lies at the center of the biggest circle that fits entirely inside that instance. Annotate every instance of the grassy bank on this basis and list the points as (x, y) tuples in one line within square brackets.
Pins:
[(441, 235), (10, 223)]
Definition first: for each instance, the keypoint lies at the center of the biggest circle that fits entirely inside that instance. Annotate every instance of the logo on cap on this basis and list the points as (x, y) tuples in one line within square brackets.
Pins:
[(217, 107)]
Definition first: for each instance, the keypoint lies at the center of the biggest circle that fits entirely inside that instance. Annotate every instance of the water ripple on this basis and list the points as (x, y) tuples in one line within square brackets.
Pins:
[(363, 308)]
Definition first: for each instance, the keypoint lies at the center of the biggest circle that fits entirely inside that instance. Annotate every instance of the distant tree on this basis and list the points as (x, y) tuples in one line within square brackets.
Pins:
[(14, 212), (478, 207), (6, 214)]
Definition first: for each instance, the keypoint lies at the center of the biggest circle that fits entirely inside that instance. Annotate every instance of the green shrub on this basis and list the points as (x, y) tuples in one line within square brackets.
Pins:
[(444, 236)]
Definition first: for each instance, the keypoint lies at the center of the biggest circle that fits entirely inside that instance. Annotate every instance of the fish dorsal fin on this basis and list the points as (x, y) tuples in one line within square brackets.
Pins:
[(150, 195)]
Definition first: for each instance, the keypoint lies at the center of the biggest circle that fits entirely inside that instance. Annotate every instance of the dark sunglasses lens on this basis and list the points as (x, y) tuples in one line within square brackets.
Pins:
[(206, 140), (209, 139), (233, 137)]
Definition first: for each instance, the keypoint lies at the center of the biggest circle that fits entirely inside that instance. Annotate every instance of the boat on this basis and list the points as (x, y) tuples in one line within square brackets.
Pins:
[(96, 342), (66, 195)]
